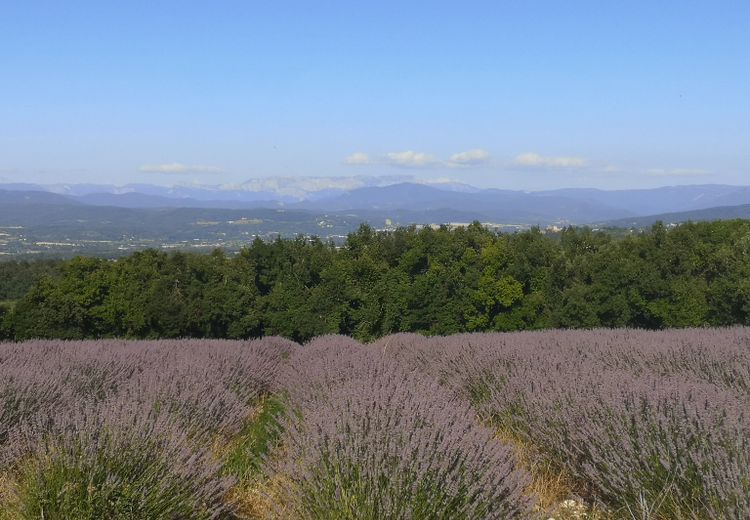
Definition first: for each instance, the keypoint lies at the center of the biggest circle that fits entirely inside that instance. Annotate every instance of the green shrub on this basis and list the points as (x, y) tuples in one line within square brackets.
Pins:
[(139, 478)]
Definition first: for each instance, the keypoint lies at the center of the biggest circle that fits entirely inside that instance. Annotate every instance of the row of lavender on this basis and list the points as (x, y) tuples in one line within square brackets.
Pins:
[(652, 424), (644, 422), (154, 430), (368, 438), (116, 429)]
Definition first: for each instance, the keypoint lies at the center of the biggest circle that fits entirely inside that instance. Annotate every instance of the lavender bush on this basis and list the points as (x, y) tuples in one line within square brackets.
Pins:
[(114, 460), (117, 429), (640, 419), (647, 424), (367, 440)]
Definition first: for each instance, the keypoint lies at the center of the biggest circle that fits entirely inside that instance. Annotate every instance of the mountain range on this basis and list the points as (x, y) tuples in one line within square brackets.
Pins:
[(388, 197), (65, 220)]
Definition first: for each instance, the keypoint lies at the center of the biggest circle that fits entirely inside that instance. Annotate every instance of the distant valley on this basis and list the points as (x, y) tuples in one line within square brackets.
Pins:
[(110, 220)]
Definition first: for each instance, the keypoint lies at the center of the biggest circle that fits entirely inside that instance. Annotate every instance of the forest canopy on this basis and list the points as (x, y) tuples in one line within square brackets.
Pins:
[(431, 281)]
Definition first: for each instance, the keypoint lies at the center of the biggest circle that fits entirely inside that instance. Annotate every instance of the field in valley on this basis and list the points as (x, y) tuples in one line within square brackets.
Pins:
[(559, 424)]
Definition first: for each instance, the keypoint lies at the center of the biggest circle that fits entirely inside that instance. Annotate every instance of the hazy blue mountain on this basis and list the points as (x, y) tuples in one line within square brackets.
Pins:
[(494, 205), (454, 186), (34, 197), (41, 222), (661, 200), (707, 214), (16, 207), (78, 190), (49, 216), (738, 197), (396, 196), (383, 198), (141, 200), (22, 186)]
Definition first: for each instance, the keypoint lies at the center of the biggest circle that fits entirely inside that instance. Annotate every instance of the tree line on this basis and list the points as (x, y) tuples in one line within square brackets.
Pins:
[(17, 276), (432, 281)]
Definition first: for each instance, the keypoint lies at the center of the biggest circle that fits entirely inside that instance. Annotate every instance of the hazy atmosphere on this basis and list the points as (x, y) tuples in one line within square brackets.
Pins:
[(537, 95), (374, 260)]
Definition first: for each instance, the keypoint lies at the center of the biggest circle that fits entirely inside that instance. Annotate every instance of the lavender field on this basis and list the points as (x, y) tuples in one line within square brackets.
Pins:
[(599, 424)]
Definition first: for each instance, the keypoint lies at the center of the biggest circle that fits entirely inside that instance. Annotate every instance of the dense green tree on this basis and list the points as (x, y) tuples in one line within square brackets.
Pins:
[(17, 277), (495, 293), (5, 328), (433, 281)]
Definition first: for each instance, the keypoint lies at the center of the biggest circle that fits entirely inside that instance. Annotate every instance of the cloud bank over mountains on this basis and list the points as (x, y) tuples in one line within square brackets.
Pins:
[(179, 168), (413, 159), (535, 160)]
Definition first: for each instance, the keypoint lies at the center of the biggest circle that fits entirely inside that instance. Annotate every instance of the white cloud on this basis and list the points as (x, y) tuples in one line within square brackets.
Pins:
[(410, 159), (534, 160), (178, 168), (358, 158), (469, 158)]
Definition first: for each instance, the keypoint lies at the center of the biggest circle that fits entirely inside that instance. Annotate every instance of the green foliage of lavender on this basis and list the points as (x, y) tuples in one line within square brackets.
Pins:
[(113, 464), (258, 437)]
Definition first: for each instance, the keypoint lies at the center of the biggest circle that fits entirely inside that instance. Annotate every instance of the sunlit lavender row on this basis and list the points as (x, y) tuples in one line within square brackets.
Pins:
[(647, 425)]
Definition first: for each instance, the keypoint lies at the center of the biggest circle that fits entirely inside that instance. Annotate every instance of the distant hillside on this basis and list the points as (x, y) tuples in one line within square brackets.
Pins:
[(142, 200), (48, 216), (668, 199), (709, 214), (13, 199), (99, 212), (17, 207), (404, 203), (504, 206)]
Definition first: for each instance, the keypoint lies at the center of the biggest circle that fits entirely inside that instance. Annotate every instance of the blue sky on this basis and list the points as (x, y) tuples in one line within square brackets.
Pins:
[(522, 95)]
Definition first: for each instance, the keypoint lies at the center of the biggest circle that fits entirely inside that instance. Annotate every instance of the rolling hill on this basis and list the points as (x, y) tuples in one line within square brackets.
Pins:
[(708, 214)]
